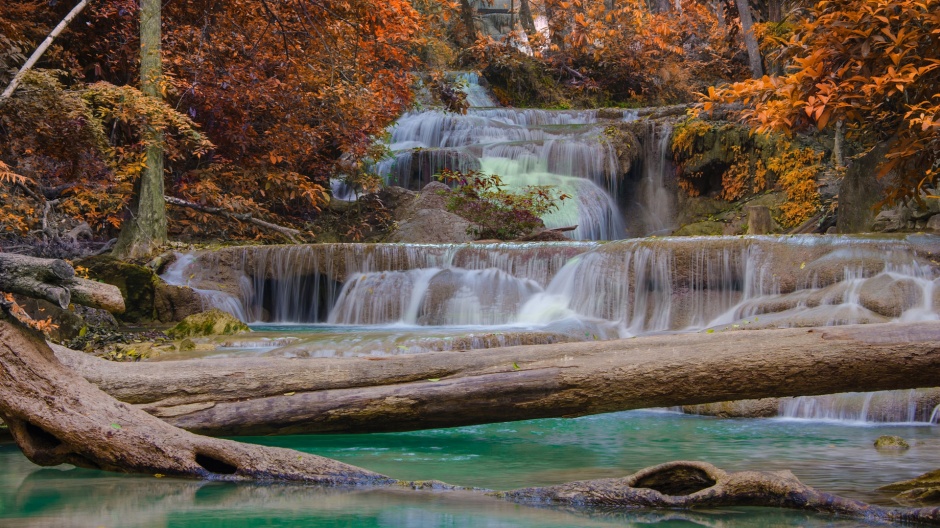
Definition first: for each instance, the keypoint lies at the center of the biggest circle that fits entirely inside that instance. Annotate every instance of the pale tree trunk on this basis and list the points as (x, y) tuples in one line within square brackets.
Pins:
[(34, 58), (145, 230), (246, 396), (753, 50)]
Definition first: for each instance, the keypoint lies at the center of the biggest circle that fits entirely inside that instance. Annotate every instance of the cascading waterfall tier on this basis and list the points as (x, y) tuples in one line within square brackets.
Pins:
[(622, 288), (566, 149)]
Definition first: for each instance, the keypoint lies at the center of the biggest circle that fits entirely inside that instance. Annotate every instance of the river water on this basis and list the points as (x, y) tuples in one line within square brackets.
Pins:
[(834, 456)]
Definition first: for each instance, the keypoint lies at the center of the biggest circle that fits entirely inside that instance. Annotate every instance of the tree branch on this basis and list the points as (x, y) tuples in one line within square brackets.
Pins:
[(34, 58), (289, 233)]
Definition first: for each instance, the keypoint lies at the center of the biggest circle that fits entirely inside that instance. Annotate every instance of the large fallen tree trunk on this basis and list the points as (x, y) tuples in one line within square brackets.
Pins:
[(56, 417), (444, 389)]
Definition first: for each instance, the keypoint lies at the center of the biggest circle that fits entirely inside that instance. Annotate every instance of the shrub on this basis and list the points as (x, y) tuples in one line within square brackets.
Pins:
[(494, 211)]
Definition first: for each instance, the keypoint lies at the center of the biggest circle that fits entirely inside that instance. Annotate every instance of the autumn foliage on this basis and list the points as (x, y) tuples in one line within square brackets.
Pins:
[(280, 95), (871, 65)]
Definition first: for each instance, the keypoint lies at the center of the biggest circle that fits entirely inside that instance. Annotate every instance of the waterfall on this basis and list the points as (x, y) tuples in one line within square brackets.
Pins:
[(623, 288), (566, 149), (902, 406), (654, 203)]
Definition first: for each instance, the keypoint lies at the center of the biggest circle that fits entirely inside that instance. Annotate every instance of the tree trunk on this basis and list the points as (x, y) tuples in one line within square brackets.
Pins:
[(466, 16), (55, 281), (525, 17), (444, 389), (145, 230), (56, 417), (753, 50)]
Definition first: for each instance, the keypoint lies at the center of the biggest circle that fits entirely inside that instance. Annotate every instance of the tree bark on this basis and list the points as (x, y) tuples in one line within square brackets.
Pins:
[(54, 280), (145, 231), (525, 17), (34, 58), (466, 16), (56, 417), (753, 50), (259, 396)]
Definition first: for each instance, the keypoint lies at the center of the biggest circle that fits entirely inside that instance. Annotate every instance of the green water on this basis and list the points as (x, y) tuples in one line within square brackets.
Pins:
[(835, 457)]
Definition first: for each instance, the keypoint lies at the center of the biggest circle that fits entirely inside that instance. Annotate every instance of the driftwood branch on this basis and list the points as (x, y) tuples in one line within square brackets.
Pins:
[(246, 396), (289, 233), (55, 281), (34, 58), (686, 485)]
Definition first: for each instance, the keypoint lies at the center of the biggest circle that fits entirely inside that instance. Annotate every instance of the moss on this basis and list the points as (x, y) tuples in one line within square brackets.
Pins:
[(212, 322), (891, 442), (137, 285)]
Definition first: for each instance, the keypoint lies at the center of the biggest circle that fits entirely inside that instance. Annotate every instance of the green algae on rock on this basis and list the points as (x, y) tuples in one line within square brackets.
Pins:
[(211, 322)]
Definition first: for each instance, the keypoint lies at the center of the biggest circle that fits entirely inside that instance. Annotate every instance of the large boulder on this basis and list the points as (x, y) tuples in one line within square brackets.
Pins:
[(426, 219)]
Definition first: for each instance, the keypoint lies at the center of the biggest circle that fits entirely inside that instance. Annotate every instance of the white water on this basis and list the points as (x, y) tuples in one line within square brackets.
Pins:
[(566, 149), (903, 406)]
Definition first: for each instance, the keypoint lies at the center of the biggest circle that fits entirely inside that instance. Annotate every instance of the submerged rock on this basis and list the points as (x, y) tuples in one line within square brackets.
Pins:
[(212, 322), (891, 442), (921, 490)]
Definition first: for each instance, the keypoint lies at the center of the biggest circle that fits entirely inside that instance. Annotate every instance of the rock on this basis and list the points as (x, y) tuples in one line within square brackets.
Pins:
[(700, 229), (760, 408), (889, 221), (187, 344), (889, 297), (891, 442), (933, 223), (212, 322), (69, 322), (135, 282), (175, 303), (921, 490), (432, 226)]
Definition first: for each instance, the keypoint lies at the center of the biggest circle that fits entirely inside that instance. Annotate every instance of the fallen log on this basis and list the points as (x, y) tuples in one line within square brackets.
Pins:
[(291, 234), (260, 396), (56, 417), (54, 280)]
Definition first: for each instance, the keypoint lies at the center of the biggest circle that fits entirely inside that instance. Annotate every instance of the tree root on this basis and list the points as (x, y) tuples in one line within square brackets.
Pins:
[(686, 485)]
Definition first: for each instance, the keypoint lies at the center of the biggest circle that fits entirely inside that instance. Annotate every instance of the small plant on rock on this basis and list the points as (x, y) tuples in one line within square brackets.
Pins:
[(494, 211)]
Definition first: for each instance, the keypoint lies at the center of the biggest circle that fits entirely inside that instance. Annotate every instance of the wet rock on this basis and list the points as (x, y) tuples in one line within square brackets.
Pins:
[(175, 303), (135, 282), (706, 228), (762, 408), (432, 226), (212, 322), (919, 491), (889, 297), (891, 442)]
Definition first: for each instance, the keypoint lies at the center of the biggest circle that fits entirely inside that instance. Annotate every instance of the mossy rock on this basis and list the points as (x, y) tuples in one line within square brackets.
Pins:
[(135, 282), (701, 229), (212, 322), (891, 442)]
